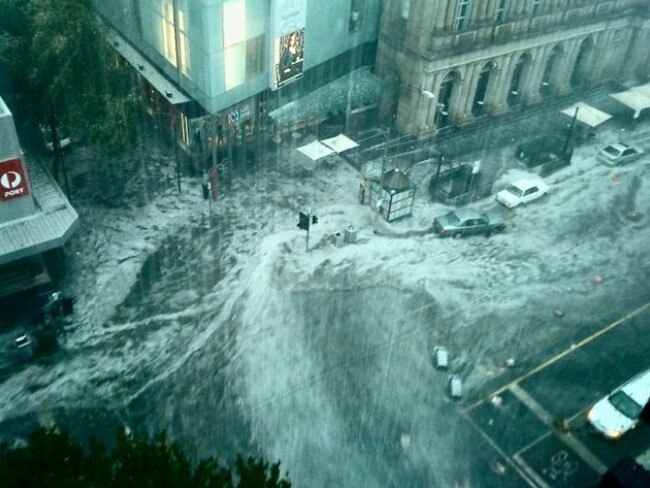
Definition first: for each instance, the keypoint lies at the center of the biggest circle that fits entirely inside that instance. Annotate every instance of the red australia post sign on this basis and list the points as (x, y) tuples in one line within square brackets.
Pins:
[(13, 182)]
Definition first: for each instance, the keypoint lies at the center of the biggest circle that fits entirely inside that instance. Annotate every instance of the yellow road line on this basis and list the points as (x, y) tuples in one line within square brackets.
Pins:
[(574, 347)]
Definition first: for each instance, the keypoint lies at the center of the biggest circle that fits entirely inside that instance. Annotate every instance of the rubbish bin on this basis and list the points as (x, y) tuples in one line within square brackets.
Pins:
[(338, 239), (350, 234), (455, 387)]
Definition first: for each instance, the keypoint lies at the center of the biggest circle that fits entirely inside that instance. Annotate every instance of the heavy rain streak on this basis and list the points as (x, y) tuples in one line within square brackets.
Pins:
[(386, 243)]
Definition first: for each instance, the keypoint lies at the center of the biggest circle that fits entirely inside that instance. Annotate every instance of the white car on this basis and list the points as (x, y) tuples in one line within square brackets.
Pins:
[(619, 153), (521, 192), (619, 411)]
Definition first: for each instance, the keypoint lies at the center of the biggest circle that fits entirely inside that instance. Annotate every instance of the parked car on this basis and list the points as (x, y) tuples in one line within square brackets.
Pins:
[(619, 153), (619, 411), (521, 192), (62, 132), (468, 221)]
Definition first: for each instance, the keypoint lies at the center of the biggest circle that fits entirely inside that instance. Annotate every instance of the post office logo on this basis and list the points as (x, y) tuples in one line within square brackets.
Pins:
[(13, 183)]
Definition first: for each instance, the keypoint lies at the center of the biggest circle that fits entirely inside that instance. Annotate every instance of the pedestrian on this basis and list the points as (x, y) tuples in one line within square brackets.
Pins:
[(197, 140), (220, 134)]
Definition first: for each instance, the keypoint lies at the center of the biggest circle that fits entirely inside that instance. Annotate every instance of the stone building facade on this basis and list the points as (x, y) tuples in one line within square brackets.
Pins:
[(451, 62)]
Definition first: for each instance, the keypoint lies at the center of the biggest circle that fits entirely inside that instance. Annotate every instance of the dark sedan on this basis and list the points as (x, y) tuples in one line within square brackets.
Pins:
[(468, 221)]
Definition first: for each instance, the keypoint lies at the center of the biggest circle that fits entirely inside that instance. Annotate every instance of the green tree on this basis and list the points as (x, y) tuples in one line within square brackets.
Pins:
[(58, 71), (52, 459)]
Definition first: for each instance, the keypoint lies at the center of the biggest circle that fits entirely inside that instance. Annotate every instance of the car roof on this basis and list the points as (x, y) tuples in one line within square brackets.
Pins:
[(467, 213), (638, 388), (527, 183), (619, 146)]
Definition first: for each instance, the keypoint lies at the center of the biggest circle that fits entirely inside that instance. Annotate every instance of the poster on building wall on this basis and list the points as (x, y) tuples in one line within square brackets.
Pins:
[(288, 41), (13, 182)]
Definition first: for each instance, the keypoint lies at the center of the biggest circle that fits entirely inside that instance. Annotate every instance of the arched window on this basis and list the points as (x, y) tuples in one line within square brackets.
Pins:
[(442, 118), (478, 107), (513, 94)]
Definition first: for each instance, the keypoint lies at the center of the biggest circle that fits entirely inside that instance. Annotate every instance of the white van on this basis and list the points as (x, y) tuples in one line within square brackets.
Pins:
[(619, 411)]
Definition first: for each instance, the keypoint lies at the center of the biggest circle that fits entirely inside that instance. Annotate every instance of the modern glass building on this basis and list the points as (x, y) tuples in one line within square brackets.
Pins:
[(228, 60)]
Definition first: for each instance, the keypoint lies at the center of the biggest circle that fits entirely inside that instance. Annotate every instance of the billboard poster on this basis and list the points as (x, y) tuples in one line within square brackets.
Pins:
[(288, 56), (13, 182), (288, 41)]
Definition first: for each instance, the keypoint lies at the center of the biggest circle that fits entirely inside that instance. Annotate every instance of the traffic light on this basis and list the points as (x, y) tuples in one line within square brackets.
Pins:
[(303, 221), (314, 219)]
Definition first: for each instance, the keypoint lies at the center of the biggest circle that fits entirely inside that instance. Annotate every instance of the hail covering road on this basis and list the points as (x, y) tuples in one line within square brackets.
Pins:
[(222, 330)]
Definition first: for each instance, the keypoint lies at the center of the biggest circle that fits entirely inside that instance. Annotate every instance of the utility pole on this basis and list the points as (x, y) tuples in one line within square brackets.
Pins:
[(304, 222), (568, 136), (175, 143)]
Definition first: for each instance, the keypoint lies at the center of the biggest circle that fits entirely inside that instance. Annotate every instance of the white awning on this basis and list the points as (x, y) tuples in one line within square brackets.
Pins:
[(634, 99), (315, 150), (340, 143), (642, 89), (587, 114), (166, 88)]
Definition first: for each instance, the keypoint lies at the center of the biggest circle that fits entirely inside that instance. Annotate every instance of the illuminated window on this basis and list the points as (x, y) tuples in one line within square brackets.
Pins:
[(462, 13), (234, 41), (184, 52), (169, 38), (501, 10), (169, 21)]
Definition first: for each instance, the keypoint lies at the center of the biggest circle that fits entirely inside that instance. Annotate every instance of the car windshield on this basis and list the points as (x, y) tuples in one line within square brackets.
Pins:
[(515, 190), (452, 218), (612, 151), (624, 404)]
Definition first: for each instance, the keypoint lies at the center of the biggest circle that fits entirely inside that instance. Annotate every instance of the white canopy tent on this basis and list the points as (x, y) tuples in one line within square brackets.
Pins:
[(643, 89), (340, 143), (315, 150), (587, 114), (637, 98)]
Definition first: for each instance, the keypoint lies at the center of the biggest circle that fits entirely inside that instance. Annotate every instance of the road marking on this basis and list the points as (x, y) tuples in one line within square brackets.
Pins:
[(532, 404), (554, 359), (569, 439), (494, 445), (530, 471)]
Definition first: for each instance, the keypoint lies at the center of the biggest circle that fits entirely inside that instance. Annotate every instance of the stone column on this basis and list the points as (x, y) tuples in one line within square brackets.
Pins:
[(562, 73), (638, 62), (441, 12), (458, 93), (533, 77), (423, 104), (422, 14), (433, 102), (499, 89), (450, 14), (462, 108)]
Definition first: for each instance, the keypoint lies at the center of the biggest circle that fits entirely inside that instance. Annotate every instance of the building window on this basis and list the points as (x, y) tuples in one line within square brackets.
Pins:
[(405, 7), (170, 20), (183, 44), (462, 14), (501, 10), (234, 41), (536, 4), (254, 56)]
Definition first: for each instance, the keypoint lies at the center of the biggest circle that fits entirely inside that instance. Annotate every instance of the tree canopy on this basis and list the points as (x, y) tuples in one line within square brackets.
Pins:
[(53, 459), (56, 68)]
